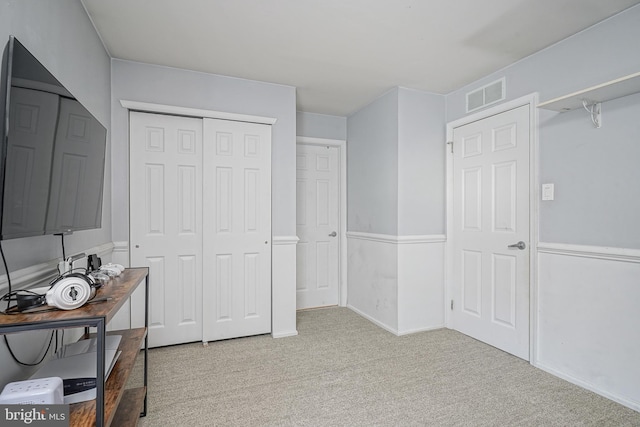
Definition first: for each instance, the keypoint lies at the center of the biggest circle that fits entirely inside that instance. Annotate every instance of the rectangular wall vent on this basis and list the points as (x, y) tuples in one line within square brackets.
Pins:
[(486, 95)]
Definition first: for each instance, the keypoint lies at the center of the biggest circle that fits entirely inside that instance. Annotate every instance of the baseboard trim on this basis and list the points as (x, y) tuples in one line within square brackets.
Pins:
[(595, 252), (397, 240), (372, 320), (284, 334), (589, 386), (417, 330)]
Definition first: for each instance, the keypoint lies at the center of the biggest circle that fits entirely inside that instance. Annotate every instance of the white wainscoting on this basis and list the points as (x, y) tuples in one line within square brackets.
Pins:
[(122, 319), (421, 285), (283, 286), (372, 278), (588, 318), (397, 282)]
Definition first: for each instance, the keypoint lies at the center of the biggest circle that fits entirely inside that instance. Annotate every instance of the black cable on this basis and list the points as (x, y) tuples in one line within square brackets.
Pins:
[(6, 340), (6, 269), (14, 296), (64, 255)]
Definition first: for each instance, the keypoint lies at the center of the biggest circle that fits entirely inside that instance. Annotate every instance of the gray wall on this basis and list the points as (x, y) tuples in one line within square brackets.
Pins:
[(61, 36), (595, 171), (372, 167), (596, 174), (421, 163), (163, 85), (321, 126), (396, 165)]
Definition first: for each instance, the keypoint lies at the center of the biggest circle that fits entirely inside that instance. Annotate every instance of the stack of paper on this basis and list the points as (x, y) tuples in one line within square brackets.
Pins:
[(76, 365)]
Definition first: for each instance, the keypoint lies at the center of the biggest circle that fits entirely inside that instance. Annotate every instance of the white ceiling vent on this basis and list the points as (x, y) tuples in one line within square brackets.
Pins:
[(486, 95)]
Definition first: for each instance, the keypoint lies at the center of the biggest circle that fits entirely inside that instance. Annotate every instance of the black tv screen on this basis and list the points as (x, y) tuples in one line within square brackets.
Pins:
[(52, 153)]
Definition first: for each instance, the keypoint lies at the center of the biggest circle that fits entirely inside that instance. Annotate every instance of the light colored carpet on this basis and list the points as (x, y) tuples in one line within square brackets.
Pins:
[(342, 370)]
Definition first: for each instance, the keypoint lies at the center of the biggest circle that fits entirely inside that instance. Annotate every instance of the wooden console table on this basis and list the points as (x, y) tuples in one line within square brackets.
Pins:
[(109, 407)]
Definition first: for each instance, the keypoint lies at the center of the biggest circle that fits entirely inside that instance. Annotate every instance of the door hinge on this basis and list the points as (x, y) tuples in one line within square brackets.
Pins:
[(451, 304), (451, 144)]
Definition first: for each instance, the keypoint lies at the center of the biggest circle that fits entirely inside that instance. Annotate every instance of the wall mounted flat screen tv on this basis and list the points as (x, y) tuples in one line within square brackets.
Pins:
[(52, 153)]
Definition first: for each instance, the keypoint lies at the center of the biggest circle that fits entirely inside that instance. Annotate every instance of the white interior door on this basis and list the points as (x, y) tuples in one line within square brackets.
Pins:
[(490, 283), (237, 229), (317, 226), (166, 222)]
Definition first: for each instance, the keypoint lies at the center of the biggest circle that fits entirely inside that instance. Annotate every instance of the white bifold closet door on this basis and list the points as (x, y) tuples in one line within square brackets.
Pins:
[(201, 221), (237, 247), (166, 223)]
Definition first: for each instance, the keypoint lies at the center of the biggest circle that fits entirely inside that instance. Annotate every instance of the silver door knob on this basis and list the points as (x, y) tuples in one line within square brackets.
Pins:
[(333, 234), (520, 245)]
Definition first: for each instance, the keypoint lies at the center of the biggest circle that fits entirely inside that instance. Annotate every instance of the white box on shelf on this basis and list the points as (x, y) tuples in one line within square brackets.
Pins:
[(41, 391)]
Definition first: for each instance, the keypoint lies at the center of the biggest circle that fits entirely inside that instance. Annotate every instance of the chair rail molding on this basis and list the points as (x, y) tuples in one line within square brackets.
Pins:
[(397, 240), (585, 251), (285, 240), (44, 272)]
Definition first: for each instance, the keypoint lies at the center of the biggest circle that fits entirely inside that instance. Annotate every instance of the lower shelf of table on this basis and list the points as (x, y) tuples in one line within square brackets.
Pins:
[(128, 412), (84, 414)]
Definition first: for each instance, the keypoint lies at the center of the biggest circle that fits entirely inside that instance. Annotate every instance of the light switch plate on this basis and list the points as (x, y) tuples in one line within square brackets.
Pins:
[(547, 191)]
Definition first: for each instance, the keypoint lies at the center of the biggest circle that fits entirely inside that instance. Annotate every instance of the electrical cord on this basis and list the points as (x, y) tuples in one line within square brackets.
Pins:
[(6, 269), (6, 340), (13, 296), (64, 255)]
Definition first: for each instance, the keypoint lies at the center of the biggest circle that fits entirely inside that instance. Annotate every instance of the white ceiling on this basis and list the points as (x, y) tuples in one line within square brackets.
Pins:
[(342, 54)]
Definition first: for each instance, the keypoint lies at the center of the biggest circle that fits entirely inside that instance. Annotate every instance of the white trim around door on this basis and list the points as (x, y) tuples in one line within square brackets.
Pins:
[(532, 101), (342, 147), (148, 107)]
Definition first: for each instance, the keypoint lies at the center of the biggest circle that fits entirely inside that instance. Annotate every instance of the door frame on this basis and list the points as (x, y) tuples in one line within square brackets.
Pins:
[(342, 202), (534, 207)]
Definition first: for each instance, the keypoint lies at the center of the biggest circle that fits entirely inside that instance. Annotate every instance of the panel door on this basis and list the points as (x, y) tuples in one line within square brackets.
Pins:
[(31, 137), (166, 222), (237, 229), (491, 212), (317, 215)]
